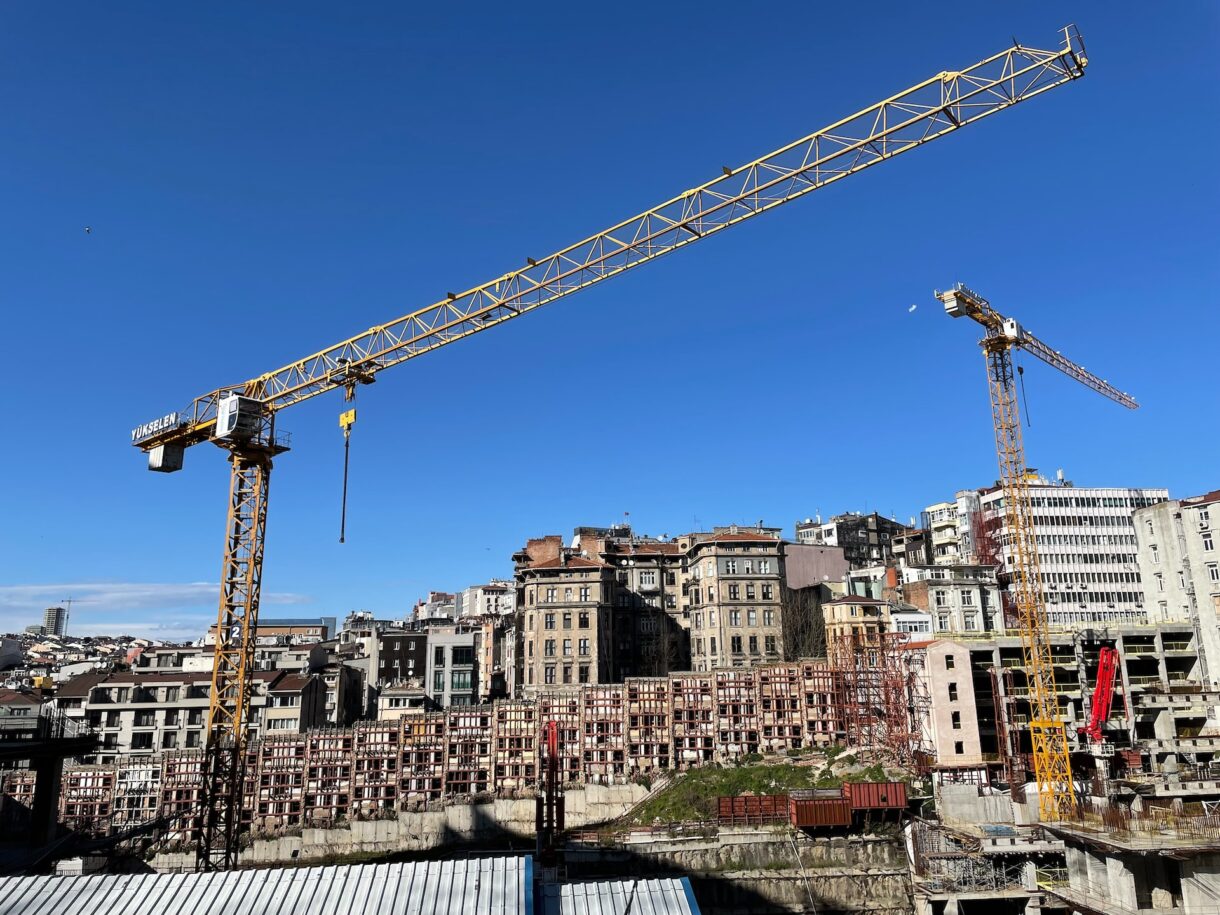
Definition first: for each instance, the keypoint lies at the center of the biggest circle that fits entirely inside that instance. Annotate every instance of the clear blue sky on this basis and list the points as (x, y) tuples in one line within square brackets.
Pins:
[(265, 179)]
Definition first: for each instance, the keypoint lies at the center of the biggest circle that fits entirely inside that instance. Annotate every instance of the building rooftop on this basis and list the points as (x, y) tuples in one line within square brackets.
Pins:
[(16, 697), (1208, 498), (574, 562), (666, 896), (853, 599)]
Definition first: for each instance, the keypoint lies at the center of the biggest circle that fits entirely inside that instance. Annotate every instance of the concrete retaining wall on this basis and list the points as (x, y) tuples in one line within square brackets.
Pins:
[(502, 822)]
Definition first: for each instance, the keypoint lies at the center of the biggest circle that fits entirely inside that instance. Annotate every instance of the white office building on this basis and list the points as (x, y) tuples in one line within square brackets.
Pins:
[(1086, 547), (1179, 562)]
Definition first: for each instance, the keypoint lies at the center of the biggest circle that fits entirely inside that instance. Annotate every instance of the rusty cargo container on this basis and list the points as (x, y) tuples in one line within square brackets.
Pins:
[(876, 795), (820, 812), (753, 808)]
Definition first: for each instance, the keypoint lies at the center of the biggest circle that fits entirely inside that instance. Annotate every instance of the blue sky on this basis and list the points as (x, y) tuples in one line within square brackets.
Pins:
[(264, 180)]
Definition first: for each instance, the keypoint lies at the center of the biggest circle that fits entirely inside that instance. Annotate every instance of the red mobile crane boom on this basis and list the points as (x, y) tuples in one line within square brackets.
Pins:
[(1103, 695)]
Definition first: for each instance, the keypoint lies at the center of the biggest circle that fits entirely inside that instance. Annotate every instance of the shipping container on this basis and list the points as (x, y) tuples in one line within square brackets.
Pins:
[(752, 808), (877, 795), (820, 812)]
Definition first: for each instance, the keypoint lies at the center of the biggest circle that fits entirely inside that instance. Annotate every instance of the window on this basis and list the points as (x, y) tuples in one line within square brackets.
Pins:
[(735, 644), (734, 592), (753, 644), (582, 619), (952, 692), (1160, 581), (462, 655), (567, 594), (550, 594), (1208, 545), (950, 662), (942, 598), (567, 673), (750, 592), (770, 643), (734, 617), (548, 621), (584, 593), (529, 648), (583, 673), (967, 598), (583, 648), (549, 674), (438, 682), (141, 741), (752, 617), (1213, 571), (438, 656), (958, 747), (768, 617), (648, 577), (171, 718), (712, 644), (768, 593), (957, 721), (971, 622), (567, 648), (169, 741), (193, 739), (730, 567), (549, 648), (144, 719), (461, 680), (567, 621), (171, 694)]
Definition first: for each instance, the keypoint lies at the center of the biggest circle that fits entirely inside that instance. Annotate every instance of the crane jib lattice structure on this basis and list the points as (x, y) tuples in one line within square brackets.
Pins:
[(241, 417), (1047, 732)]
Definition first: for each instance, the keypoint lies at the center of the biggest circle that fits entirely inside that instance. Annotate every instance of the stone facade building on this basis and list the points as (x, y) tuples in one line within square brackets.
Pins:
[(734, 582)]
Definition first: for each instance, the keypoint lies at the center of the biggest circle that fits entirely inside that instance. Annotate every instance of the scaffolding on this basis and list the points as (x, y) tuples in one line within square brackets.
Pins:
[(467, 761), (781, 694), (603, 746), (516, 752), (281, 782), (875, 696), (823, 716), (736, 711), (694, 727), (375, 776), (181, 777), (422, 771), (649, 726), (564, 707), (137, 793), (328, 773), (87, 800)]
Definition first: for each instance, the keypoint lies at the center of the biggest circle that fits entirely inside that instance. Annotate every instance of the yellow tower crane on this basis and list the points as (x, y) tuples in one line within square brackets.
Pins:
[(241, 418), (1048, 735)]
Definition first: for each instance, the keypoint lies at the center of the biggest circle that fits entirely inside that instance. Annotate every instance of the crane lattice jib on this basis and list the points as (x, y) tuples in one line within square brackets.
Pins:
[(931, 109)]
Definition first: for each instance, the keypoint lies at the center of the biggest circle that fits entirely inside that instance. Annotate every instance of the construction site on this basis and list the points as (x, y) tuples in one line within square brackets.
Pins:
[(941, 770)]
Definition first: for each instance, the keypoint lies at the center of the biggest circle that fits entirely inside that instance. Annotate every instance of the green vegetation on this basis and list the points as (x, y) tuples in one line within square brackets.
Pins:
[(693, 797)]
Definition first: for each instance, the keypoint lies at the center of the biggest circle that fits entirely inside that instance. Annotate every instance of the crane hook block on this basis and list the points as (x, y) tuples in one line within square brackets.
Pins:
[(347, 419)]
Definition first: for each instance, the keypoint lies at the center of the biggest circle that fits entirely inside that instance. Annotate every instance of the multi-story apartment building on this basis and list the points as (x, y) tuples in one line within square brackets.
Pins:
[(138, 712), (959, 598), (1179, 563), (950, 527), (734, 582), (438, 606), (55, 621), (650, 637), (1086, 547), (862, 619), (566, 607), (452, 674), (496, 598), (402, 653), (867, 540)]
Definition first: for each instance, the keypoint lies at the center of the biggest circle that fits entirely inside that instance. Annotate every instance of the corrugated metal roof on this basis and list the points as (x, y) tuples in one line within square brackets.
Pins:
[(480, 886), (668, 896)]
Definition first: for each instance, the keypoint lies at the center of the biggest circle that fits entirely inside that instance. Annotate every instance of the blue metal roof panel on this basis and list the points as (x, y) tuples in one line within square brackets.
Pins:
[(480, 886), (666, 896)]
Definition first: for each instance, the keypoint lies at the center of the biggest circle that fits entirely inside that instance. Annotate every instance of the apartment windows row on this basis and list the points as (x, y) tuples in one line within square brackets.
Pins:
[(564, 672), (550, 595), (749, 616), (550, 620), (767, 591), (171, 718), (742, 645), (748, 567), (549, 646), (459, 655)]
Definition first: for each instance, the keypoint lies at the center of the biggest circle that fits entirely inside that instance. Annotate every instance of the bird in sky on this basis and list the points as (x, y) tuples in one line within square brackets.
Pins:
[(912, 308), (88, 230)]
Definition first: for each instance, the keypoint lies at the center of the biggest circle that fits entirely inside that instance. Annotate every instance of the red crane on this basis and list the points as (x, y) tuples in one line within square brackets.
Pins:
[(1103, 695), (548, 811)]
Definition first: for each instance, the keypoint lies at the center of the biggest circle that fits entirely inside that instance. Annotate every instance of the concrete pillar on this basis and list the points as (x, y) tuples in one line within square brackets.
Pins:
[(952, 907), (1121, 883), (45, 815)]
